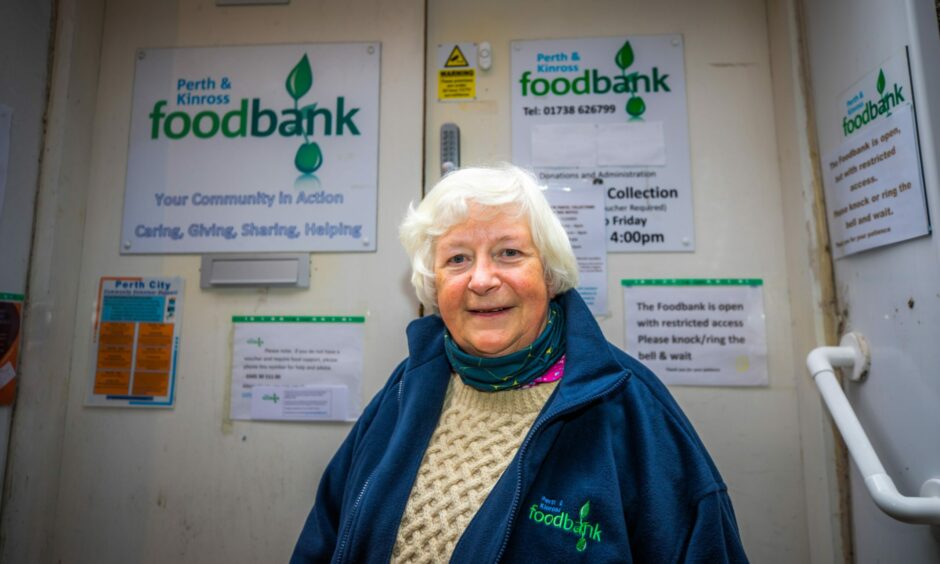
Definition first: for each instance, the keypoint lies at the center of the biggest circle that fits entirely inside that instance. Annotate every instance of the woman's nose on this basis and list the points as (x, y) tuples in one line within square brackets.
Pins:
[(483, 277)]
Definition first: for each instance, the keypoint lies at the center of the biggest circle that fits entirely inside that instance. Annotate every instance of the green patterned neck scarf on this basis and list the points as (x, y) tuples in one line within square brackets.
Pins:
[(516, 369)]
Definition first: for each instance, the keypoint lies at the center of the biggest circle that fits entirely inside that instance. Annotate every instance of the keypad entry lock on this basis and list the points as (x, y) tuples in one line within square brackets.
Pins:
[(450, 148)]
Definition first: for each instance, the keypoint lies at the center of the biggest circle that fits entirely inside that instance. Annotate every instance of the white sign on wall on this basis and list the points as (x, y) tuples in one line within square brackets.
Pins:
[(297, 367), (874, 186), (698, 332), (254, 148), (581, 211), (612, 110)]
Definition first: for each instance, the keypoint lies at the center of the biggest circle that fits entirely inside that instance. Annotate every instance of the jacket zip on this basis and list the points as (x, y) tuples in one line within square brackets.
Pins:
[(341, 550), (522, 451), (340, 553)]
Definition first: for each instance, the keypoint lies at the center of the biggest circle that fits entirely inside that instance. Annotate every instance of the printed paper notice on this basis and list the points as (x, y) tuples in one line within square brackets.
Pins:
[(874, 189), (301, 403), (297, 368), (580, 207), (11, 327), (136, 340), (700, 332)]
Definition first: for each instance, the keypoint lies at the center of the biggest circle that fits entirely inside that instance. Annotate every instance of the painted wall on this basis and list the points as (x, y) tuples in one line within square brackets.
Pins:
[(189, 485)]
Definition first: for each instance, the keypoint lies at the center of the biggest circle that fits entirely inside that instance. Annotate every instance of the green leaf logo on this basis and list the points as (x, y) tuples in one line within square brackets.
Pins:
[(309, 158), (624, 56), (881, 81), (582, 544), (300, 79), (636, 106), (585, 509)]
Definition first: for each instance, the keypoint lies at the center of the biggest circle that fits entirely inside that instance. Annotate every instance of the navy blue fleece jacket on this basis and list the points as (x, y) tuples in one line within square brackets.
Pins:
[(611, 470)]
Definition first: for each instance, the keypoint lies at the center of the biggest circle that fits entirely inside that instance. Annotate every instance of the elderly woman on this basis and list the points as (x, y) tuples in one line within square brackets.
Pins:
[(514, 431)]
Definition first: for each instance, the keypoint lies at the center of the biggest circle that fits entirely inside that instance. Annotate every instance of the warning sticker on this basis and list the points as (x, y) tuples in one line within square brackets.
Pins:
[(456, 58), (456, 74)]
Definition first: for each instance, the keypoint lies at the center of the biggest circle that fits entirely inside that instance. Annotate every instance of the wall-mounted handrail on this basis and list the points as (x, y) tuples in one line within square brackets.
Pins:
[(853, 353)]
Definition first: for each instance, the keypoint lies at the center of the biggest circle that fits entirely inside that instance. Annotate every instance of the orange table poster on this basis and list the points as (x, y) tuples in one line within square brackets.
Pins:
[(137, 322), (11, 323)]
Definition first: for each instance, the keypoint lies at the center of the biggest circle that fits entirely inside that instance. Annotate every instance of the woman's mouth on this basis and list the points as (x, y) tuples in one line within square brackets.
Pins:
[(488, 311)]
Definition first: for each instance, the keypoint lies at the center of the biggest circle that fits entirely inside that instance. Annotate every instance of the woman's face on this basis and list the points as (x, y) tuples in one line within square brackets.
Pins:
[(491, 288)]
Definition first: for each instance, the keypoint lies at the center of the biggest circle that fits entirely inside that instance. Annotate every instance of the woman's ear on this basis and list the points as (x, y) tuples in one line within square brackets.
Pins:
[(547, 276)]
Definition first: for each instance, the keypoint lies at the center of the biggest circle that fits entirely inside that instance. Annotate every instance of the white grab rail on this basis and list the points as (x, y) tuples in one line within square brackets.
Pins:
[(853, 353)]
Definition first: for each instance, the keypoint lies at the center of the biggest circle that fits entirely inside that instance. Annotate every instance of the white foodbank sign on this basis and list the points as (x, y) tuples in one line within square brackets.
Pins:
[(610, 110), (270, 148), (698, 332), (874, 187)]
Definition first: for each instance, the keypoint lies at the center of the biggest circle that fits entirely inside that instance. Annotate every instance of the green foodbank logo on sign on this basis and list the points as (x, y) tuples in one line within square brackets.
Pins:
[(251, 118), (593, 82), (867, 111)]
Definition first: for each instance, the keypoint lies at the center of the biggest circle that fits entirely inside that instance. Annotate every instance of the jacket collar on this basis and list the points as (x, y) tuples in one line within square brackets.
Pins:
[(590, 367)]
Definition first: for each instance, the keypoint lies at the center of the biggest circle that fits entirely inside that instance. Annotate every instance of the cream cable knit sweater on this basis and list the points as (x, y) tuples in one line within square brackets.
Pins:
[(475, 439)]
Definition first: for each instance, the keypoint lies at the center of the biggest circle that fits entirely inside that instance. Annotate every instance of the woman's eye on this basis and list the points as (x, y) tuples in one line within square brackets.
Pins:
[(456, 259), (511, 253)]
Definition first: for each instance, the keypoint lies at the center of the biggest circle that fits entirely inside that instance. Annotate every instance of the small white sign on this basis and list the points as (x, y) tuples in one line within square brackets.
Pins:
[(699, 332), (305, 358), (606, 144), (580, 207), (302, 403), (611, 110), (874, 184), (631, 144)]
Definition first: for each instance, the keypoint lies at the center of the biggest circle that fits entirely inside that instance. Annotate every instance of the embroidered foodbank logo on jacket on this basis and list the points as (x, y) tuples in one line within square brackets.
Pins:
[(591, 81), (554, 517), (252, 119), (867, 111)]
